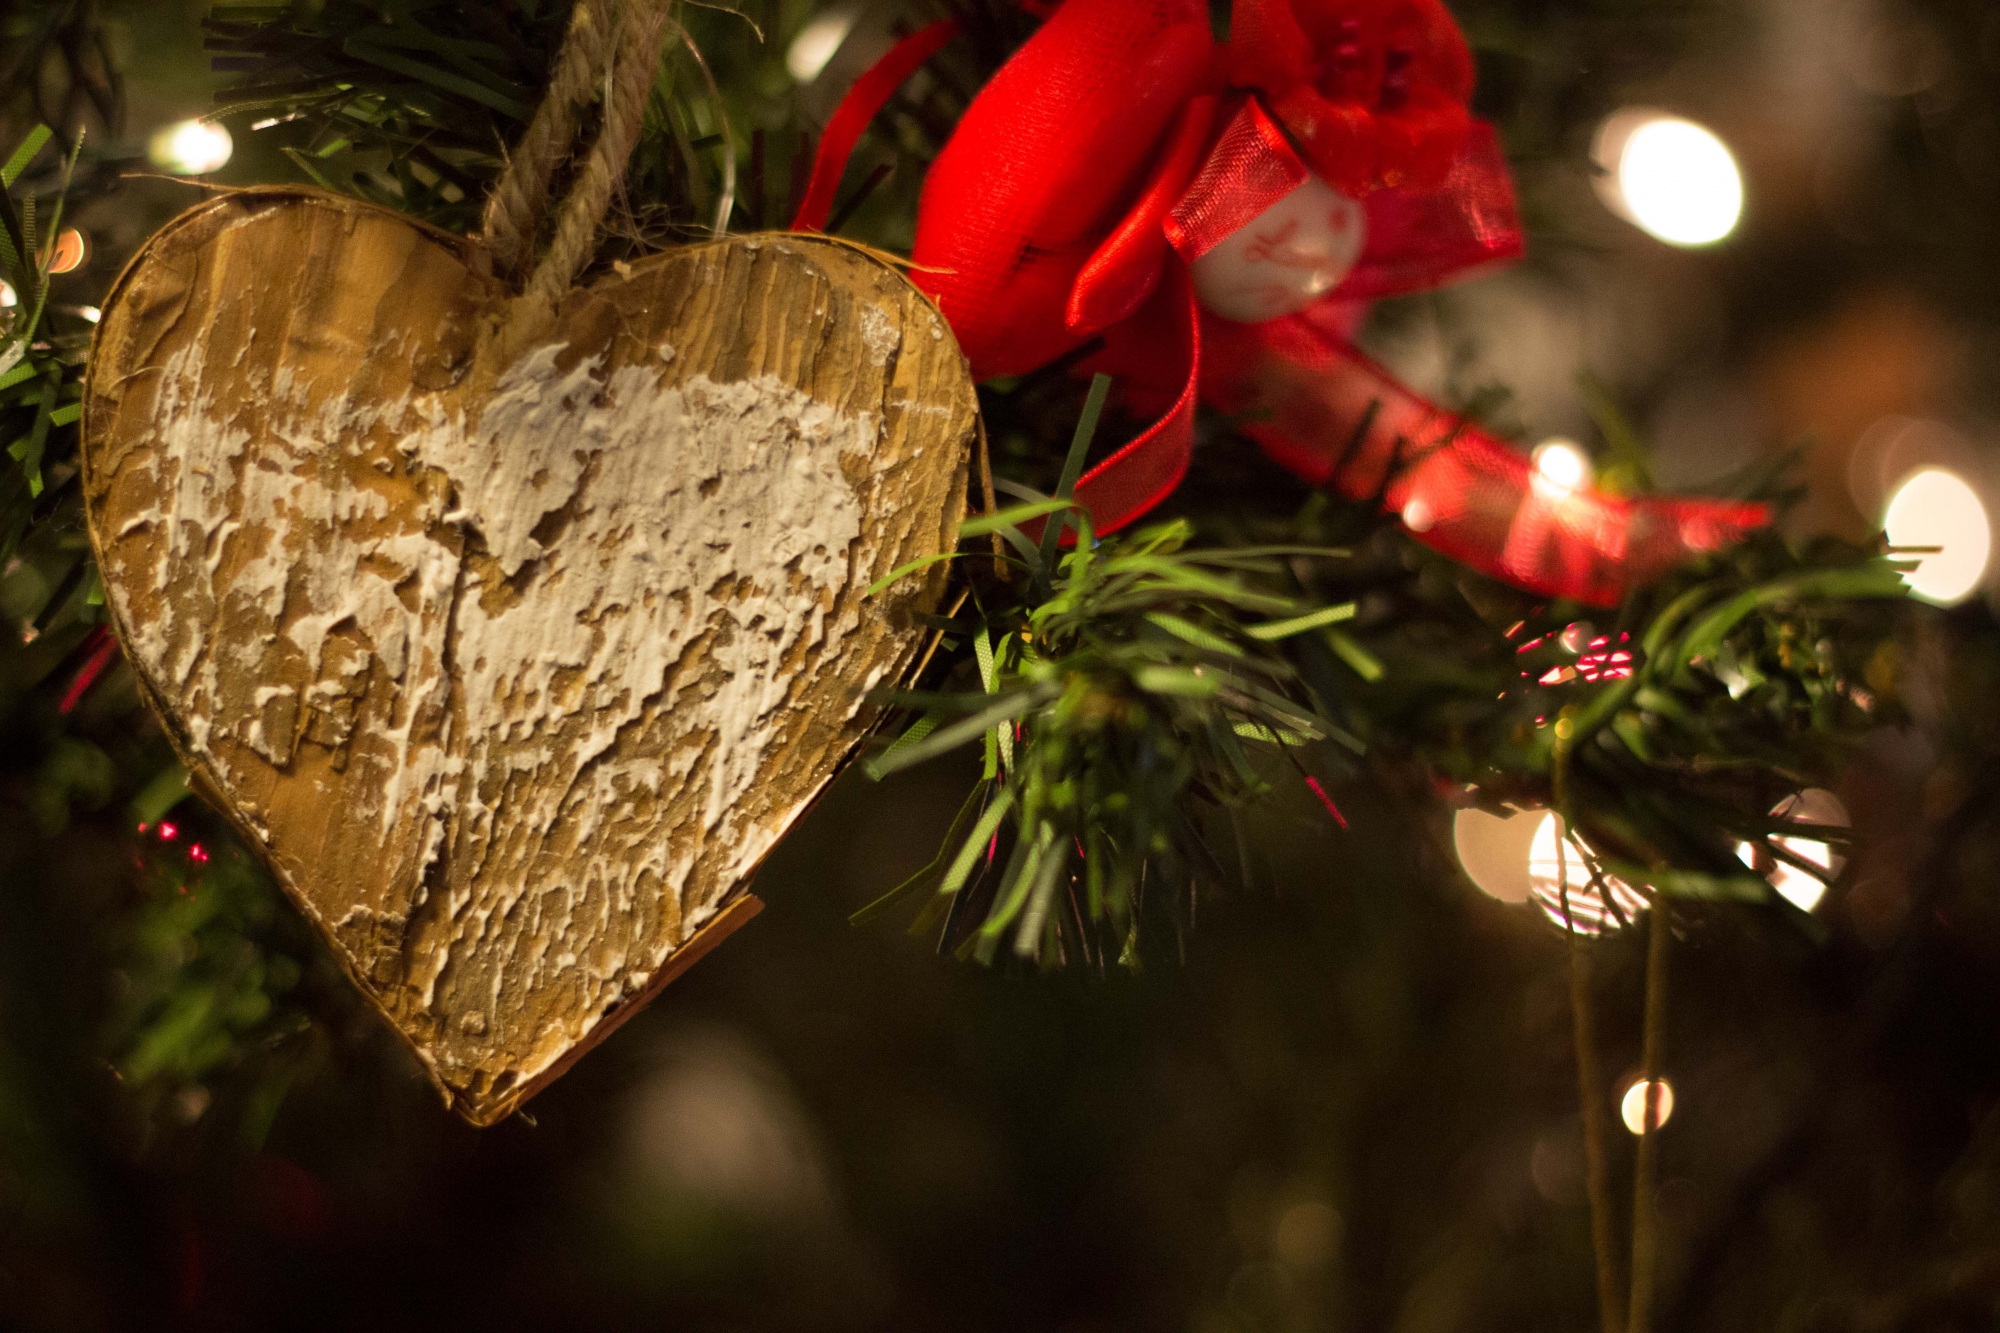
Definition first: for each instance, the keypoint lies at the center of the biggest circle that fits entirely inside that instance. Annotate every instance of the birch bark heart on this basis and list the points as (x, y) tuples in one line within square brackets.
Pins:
[(514, 665)]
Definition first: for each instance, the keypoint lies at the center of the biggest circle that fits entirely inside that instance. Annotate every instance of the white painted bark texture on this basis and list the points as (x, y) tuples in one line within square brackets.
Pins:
[(514, 672)]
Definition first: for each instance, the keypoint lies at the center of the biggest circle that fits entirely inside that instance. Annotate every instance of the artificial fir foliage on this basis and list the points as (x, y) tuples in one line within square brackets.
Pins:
[(411, 105), (1160, 664)]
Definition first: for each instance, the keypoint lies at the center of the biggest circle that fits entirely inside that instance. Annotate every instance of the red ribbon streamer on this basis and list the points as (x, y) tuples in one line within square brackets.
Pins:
[(850, 119), (102, 649), (1121, 143)]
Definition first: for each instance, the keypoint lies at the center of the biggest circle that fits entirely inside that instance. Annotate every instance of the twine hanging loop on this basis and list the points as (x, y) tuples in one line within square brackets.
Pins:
[(613, 46)]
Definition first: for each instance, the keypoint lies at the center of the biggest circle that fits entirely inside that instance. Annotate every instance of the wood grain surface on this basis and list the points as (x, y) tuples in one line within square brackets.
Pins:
[(513, 663)]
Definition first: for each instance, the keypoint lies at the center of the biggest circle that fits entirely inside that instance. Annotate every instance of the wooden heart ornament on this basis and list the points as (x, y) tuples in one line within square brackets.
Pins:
[(513, 664)]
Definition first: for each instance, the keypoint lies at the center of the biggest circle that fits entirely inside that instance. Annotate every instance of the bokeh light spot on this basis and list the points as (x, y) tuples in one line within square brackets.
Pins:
[(1937, 508), (1671, 178), (191, 148), (1632, 1106), (1559, 872), (1307, 1234), (1801, 888), (1493, 849), (70, 252), (1561, 466), (816, 43)]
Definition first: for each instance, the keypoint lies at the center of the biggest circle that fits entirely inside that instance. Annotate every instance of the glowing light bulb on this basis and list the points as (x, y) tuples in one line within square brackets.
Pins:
[(8, 300), (1559, 874), (1671, 178), (816, 43), (1632, 1106), (1814, 806), (191, 148), (1561, 467), (1494, 851), (1937, 508)]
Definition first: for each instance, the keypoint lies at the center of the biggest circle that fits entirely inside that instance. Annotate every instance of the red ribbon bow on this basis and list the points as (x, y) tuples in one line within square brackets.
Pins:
[(1121, 144)]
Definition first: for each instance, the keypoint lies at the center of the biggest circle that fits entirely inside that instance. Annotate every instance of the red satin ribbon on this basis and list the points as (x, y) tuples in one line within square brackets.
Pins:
[(850, 119), (1120, 143)]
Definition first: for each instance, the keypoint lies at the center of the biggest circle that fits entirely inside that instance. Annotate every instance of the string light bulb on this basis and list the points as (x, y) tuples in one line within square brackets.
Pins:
[(70, 252), (1561, 467), (1937, 507), (814, 47), (1814, 807), (1567, 889), (1494, 851), (1673, 179), (191, 147), (1632, 1106)]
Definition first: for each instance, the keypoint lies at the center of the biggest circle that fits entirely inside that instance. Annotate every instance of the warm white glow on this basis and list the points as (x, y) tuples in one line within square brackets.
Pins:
[(1937, 508), (816, 43), (1671, 177), (1494, 851), (1802, 889), (1559, 875), (191, 148), (7, 298), (1632, 1107), (1896, 446), (1561, 467), (90, 313)]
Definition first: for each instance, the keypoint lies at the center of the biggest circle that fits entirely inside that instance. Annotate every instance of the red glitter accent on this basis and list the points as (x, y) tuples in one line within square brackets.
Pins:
[(198, 853), (1327, 801), (1601, 661), (168, 832)]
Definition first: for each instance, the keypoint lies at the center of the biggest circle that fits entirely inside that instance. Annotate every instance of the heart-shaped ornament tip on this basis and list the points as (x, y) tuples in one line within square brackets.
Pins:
[(513, 665)]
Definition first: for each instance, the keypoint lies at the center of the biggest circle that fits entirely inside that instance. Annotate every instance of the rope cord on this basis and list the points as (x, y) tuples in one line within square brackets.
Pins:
[(634, 62), (514, 209)]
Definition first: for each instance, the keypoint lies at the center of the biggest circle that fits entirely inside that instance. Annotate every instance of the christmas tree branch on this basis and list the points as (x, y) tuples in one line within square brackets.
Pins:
[(1646, 1173), (1596, 1148)]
